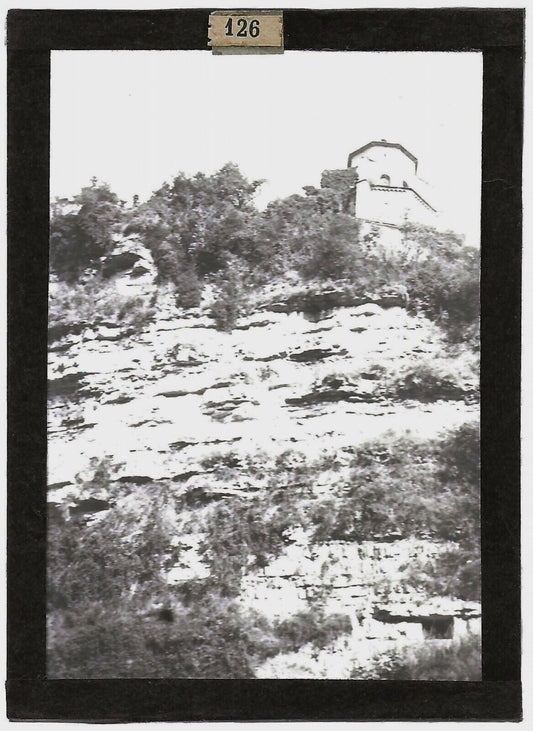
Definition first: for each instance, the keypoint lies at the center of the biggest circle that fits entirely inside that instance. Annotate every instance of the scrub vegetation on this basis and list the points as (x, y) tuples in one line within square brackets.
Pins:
[(205, 229), (112, 611)]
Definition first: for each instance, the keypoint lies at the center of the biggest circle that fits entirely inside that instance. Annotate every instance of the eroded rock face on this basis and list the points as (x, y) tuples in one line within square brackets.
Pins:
[(132, 395), (364, 581), (326, 299), (130, 266), (210, 414)]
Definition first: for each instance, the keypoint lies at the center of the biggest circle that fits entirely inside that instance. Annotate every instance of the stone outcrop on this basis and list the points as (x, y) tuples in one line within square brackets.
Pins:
[(130, 266), (131, 395), (321, 300), (365, 581), (211, 413)]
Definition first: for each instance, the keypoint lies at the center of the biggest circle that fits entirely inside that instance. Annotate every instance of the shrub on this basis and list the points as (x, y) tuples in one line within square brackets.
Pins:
[(105, 640), (267, 372), (335, 520), (204, 219), (111, 613), (104, 574), (454, 572), (104, 560), (333, 251), (133, 311), (404, 486), (188, 287), (230, 302), (459, 455), (458, 573), (434, 379), (243, 533), (394, 485), (459, 660), (421, 378), (444, 281), (167, 260), (93, 302), (212, 638), (81, 230), (311, 626)]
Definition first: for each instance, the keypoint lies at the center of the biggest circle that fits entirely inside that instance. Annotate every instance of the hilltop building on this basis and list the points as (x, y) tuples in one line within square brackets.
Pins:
[(381, 187)]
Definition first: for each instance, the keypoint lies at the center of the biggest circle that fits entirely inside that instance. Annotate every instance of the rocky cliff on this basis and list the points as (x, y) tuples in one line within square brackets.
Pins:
[(216, 417)]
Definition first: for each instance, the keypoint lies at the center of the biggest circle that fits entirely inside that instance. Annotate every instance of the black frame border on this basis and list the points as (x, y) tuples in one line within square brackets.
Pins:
[(499, 34)]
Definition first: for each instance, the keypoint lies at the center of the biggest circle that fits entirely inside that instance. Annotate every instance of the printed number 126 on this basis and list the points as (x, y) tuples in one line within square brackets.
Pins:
[(243, 28)]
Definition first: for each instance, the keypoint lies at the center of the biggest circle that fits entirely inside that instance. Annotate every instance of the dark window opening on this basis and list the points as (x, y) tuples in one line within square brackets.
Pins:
[(438, 628)]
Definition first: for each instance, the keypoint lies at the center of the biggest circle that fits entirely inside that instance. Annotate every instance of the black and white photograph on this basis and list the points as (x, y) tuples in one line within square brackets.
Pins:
[(263, 366)]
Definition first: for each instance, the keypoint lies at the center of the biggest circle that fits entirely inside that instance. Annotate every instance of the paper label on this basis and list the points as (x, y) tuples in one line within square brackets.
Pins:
[(246, 29)]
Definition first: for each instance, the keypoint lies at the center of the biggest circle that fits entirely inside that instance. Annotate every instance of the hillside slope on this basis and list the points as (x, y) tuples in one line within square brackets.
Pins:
[(295, 498)]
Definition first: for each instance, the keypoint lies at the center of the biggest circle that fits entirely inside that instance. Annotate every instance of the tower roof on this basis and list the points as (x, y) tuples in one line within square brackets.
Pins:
[(382, 143)]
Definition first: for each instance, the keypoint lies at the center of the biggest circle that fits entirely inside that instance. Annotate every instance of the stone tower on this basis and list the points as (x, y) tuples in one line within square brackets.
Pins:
[(380, 186)]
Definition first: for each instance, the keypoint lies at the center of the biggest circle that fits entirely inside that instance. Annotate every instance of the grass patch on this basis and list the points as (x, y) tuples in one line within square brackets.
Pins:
[(313, 627), (459, 660), (433, 379), (73, 307), (421, 489)]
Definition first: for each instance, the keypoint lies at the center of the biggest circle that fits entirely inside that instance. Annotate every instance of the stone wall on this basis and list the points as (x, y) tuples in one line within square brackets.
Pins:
[(378, 161), (389, 205), (384, 204), (341, 181)]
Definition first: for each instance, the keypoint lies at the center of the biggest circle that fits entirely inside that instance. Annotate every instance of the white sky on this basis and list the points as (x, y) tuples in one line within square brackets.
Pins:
[(136, 118)]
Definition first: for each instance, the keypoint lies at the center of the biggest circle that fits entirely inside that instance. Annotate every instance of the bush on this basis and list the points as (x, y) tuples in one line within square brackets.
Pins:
[(458, 573), (459, 660), (425, 379), (211, 638), (81, 230), (311, 626), (111, 612), (167, 260), (444, 281), (102, 561), (455, 572), (72, 307), (435, 379), (404, 486), (188, 288), (204, 219), (105, 575), (230, 302), (106, 640), (394, 485), (246, 533), (206, 225), (333, 251)]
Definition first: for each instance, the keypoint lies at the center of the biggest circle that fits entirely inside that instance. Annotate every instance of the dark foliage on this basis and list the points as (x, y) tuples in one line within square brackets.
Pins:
[(444, 283), (81, 230), (459, 660), (397, 486), (206, 225), (312, 626), (112, 613), (109, 639), (231, 297), (248, 532)]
